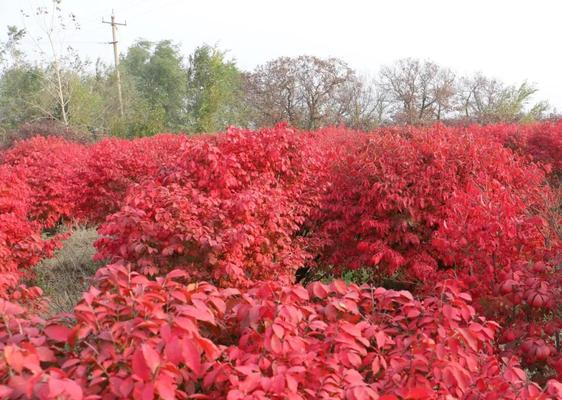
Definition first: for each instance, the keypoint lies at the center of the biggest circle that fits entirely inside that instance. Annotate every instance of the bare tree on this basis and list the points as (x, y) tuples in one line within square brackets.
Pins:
[(419, 90), (361, 104), (272, 93), (444, 89), (58, 60), (319, 80), (308, 92)]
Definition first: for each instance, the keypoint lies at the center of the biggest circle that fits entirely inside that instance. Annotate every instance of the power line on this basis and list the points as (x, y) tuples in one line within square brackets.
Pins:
[(83, 41), (116, 56)]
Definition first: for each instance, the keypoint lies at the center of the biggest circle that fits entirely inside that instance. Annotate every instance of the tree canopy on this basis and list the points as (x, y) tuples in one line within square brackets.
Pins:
[(206, 91)]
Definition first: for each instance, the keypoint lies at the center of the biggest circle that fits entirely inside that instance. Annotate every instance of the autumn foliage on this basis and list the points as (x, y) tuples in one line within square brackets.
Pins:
[(229, 210), (204, 237)]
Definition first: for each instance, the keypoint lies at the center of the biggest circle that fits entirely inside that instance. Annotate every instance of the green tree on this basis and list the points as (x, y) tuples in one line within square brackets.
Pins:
[(214, 91), (20, 95), (56, 86), (85, 108), (489, 100), (139, 119), (20, 83), (157, 74)]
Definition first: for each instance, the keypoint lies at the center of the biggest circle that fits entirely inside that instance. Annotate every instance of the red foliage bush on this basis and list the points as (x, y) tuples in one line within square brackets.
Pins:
[(113, 166), (21, 244), (14, 192), (398, 202), (48, 181), (48, 167), (230, 210), (542, 142), (140, 338), (437, 210), (420, 205)]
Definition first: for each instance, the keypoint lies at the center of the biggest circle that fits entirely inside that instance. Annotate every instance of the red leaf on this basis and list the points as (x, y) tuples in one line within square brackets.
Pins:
[(419, 393), (5, 392), (58, 333), (14, 357), (72, 389), (165, 387), (151, 357), (192, 356), (139, 365)]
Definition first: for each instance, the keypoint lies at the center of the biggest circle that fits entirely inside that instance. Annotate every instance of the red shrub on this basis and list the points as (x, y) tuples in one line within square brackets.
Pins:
[(230, 210), (14, 191), (21, 244), (542, 142), (115, 165), (420, 205), (435, 210), (392, 200), (48, 167), (140, 338)]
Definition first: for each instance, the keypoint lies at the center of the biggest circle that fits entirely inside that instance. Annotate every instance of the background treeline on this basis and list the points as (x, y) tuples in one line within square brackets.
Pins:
[(165, 90)]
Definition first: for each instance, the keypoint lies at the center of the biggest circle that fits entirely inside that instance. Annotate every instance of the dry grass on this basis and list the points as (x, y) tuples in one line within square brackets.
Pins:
[(67, 274)]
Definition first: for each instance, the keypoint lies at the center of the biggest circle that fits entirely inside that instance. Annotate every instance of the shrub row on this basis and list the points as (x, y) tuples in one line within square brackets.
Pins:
[(438, 211), (140, 338)]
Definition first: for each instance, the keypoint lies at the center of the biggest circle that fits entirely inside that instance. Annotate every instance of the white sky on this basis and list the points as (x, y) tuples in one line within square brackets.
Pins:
[(511, 40)]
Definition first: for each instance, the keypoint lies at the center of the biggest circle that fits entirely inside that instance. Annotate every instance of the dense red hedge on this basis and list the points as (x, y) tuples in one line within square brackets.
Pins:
[(542, 142), (113, 166), (48, 167), (46, 182), (21, 243), (421, 205), (456, 198), (449, 213), (138, 338), (230, 209)]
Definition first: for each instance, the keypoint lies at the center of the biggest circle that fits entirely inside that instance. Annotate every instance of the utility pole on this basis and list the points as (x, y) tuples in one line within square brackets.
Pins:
[(116, 56)]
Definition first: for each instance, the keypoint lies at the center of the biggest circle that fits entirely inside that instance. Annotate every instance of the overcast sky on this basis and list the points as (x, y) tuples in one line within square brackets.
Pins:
[(511, 40)]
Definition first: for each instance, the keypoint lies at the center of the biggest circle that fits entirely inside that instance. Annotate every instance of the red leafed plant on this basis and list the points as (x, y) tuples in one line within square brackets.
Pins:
[(230, 210), (416, 206), (392, 201), (541, 142), (452, 214), (137, 338), (48, 167), (112, 166), (21, 243)]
